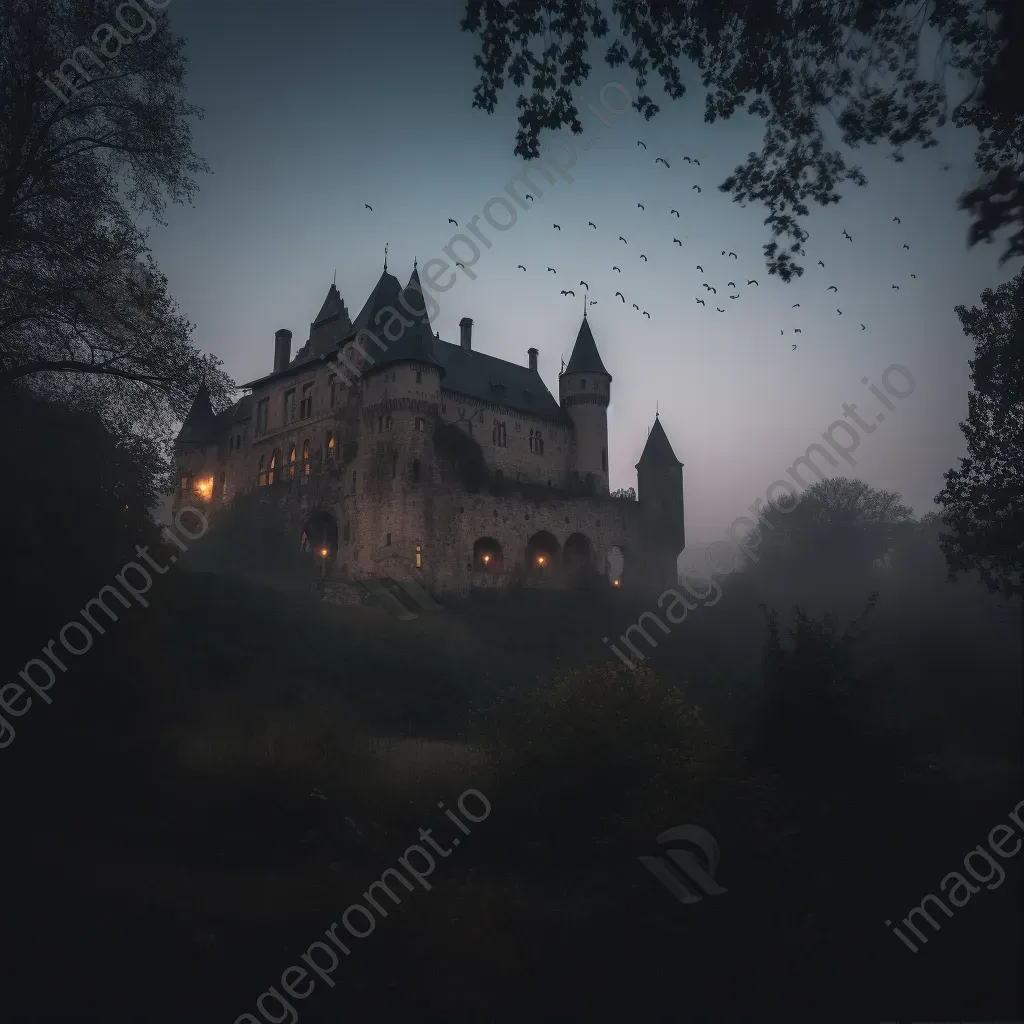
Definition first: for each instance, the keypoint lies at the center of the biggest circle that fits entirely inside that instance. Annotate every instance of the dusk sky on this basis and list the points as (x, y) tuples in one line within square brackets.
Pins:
[(314, 109)]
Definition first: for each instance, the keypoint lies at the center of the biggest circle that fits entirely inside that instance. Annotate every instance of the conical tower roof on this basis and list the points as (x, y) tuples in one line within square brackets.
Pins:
[(413, 303), (333, 305), (200, 426), (658, 450), (385, 294), (585, 358)]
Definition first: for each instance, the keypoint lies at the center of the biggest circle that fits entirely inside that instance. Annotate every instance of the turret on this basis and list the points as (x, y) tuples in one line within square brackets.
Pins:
[(584, 391), (659, 479)]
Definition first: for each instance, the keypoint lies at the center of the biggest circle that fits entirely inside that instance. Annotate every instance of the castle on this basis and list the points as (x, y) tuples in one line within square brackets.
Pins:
[(396, 455)]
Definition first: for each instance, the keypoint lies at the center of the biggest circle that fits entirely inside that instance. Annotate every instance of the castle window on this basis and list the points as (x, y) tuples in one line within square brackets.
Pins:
[(380, 423), (387, 541), (291, 462), (388, 422), (583, 383), (604, 460), (419, 376), (415, 471), (330, 445), (498, 435), (262, 479), (419, 556), (421, 424), (332, 383), (273, 466), (536, 442), (394, 465), (306, 468), (289, 406), (262, 413)]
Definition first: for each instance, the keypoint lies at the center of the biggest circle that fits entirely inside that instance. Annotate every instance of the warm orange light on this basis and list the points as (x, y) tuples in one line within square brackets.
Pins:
[(541, 559), (487, 558), (323, 552), (204, 488), (615, 583)]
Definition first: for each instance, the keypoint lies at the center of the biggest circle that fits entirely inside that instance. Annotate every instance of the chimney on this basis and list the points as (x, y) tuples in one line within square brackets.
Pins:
[(282, 349), (466, 333), (532, 353)]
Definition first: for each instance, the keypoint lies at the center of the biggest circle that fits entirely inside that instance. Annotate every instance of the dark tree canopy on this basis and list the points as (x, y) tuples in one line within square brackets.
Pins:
[(83, 307), (803, 66), (983, 501)]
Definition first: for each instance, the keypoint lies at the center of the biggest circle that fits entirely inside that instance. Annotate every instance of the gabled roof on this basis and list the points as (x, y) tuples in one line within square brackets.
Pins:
[(489, 379), (658, 450), (200, 426), (585, 358)]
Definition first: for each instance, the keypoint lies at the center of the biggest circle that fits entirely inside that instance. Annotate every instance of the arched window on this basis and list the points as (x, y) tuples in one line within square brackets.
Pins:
[(415, 471), (329, 447), (498, 435), (380, 423), (536, 442), (332, 383), (306, 468), (419, 556), (262, 480), (291, 462), (271, 476), (394, 465), (387, 422)]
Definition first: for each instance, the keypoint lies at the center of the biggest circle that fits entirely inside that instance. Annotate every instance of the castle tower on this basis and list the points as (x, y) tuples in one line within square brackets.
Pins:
[(196, 452), (659, 480), (584, 390)]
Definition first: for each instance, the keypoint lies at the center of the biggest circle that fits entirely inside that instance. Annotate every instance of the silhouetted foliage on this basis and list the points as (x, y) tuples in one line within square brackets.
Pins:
[(625, 492), (983, 500), (790, 64), (82, 303)]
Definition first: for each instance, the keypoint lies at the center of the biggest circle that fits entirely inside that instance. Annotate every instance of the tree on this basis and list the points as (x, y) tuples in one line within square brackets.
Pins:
[(82, 303), (791, 63), (625, 492), (983, 500)]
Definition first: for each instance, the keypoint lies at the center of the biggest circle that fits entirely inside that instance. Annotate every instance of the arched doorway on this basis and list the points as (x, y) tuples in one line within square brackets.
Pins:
[(320, 536), (488, 556), (542, 555), (577, 560), (616, 563)]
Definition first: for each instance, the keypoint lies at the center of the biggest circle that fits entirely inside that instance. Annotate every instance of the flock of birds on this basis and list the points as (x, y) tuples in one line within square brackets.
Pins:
[(734, 292)]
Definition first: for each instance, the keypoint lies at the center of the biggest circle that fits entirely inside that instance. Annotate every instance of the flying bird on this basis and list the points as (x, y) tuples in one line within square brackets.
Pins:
[(736, 296), (831, 288), (676, 212), (621, 239), (458, 264), (639, 206), (592, 224), (706, 286), (594, 303), (616, 268), (723, 252), (796, 305), (621, 296), (452, 220), (734, 256), (796, 330), (702, 302), (696, 161), (676, 240), (521, 267), (660, 160), (896, 220), (914, 276), (551, 270), (720, 310), (700, 268), (528, 196), (697, 187), (847, 236), (687, 160), (636, 307), (794, 348), (896, 286), (643, 257), (640, 144), (568, 292), (839, 311), (368, 206), (753, 282), (731, 284), (905, 246), (862, 327), (820, 264), (585, 285), (557, 227), (715, 290), (646, 314)]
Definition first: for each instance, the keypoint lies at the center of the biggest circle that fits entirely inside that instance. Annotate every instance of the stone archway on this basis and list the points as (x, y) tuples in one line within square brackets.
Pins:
[(320, 535), (577, 558), (542, 551), (488, 556)]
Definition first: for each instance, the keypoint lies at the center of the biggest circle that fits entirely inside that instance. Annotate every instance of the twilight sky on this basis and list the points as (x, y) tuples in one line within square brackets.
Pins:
[(315, 108)]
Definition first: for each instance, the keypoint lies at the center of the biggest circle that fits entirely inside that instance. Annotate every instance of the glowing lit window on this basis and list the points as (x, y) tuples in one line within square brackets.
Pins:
[(330, 445), (305, 458), (273, 467), (291, 462), (419, 557), (263, 475)]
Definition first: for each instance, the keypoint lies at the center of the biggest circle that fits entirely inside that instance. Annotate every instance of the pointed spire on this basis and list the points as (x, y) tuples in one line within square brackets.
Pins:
[(658, 450), (585, 357), (415, 304), (200, 426), (385, 257)]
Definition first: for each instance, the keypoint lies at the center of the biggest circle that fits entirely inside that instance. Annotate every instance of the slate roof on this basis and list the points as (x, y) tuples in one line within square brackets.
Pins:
[(201, 425), (658, 450), (490, 379), (585, 358)]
